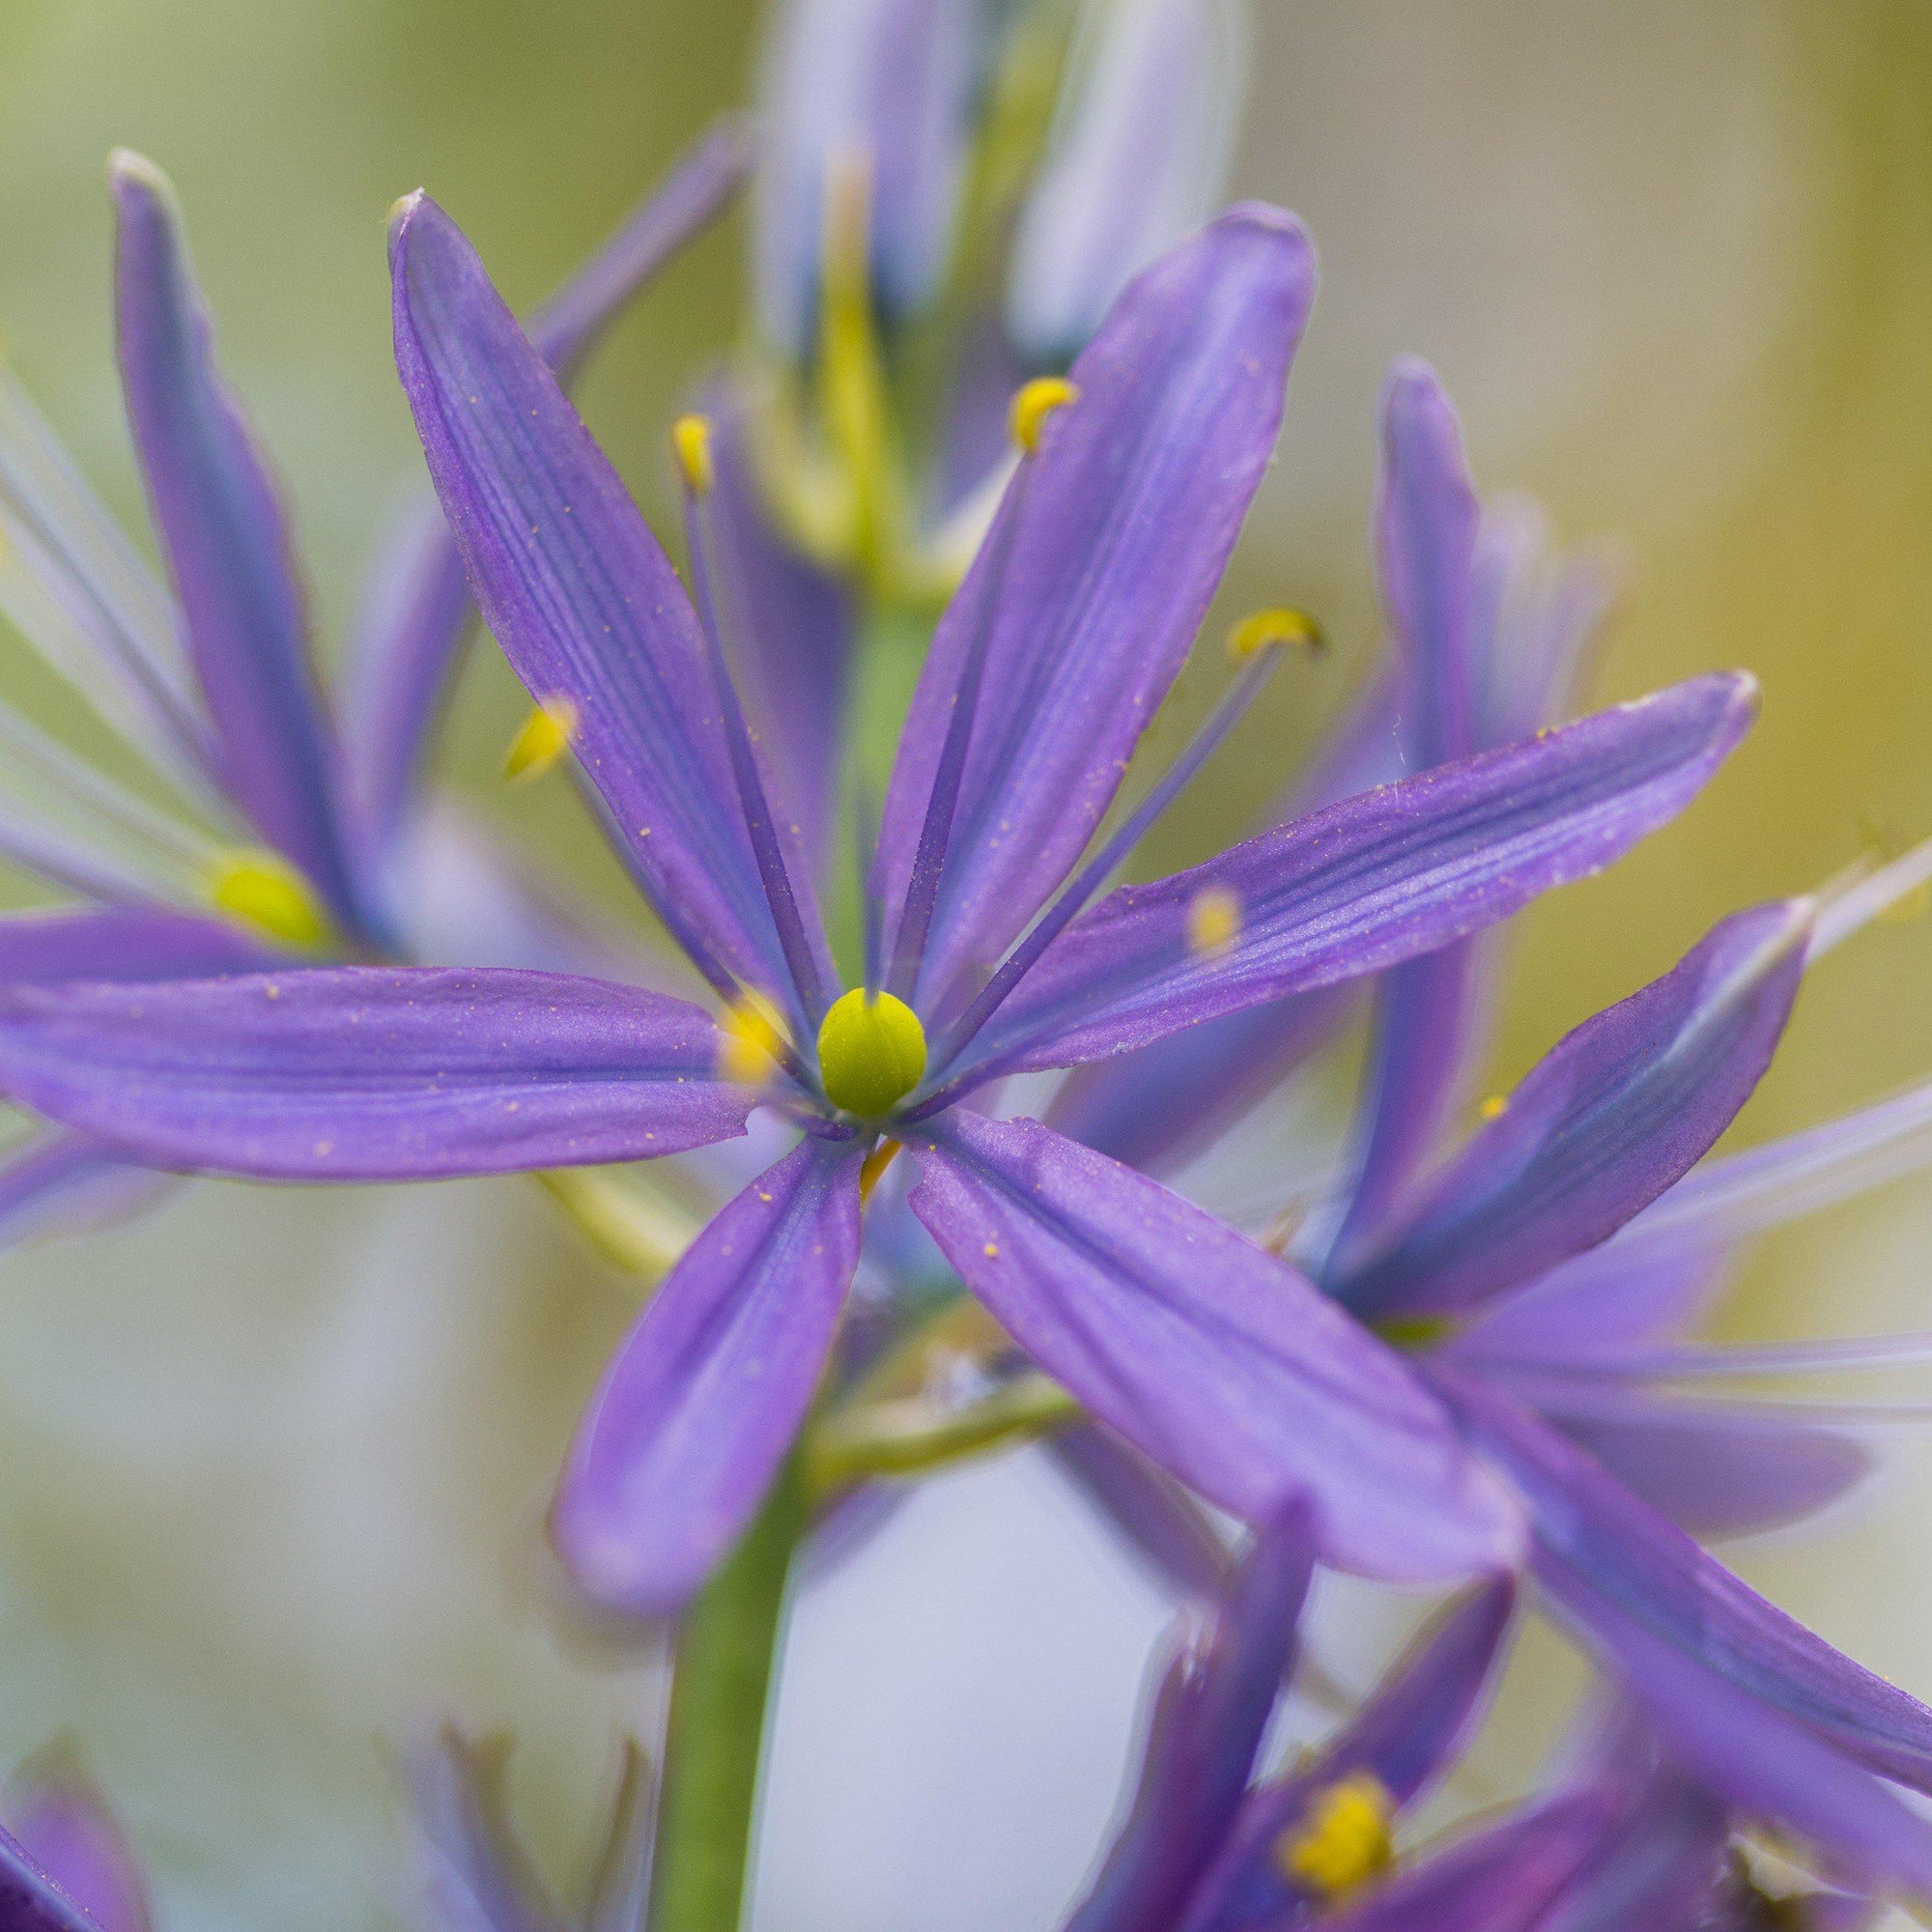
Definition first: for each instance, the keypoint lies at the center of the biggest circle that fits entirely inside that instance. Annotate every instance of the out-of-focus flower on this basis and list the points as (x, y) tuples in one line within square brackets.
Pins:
[(1612, 1121), (1208, 1353), (290, 830), (1137, 159), (471, 1873)]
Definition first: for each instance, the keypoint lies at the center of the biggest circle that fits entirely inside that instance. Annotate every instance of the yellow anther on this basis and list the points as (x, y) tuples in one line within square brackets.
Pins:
[(873, 1170), (1213, 920), (691, 444), (1343, 1840), (1278, 626), (1035, 403), (1494, 1108), (871, 1052), (751, 1042), (263, 890), (541, 740)]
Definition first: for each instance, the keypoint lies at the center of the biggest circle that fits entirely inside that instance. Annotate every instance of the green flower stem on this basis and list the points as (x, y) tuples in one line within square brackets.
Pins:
[(720, 1690)]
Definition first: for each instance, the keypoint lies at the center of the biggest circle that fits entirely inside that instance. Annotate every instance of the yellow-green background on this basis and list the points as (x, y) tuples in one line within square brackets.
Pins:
[(270, 1468)]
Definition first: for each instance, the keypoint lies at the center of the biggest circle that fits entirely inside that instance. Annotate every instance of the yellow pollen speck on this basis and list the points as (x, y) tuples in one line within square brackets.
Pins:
[(991, 1251), (263, 890), (751, 1042), (1213, 920), (871, 1052), (691, 444), (542, 739), (1266, 628), (1494, 1108), (1035, 403), (1343, 1840), (873, 1170)]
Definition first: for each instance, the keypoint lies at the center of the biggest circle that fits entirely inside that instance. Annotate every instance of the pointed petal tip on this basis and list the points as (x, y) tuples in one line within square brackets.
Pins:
[(1264, 218), (402, 209), (1411, 377), (128, 167)]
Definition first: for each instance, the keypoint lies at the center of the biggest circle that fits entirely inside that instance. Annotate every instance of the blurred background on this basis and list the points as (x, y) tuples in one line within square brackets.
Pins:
[(273, 1465)]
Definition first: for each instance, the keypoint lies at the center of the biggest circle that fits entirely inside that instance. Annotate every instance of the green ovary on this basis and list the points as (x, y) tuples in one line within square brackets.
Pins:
[(871, 1052)]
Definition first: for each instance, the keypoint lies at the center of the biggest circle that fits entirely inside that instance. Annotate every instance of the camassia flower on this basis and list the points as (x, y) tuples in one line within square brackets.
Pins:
[(1212, 1355), (291, 825)]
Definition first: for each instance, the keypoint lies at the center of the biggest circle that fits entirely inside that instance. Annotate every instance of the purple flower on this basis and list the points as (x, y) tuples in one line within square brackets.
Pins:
[(1214, 1357), (1496, 1260), (209, 680), (1209, 1845), (471, 1873)]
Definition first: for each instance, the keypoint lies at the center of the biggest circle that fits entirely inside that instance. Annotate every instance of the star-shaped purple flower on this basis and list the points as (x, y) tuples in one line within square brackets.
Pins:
[(1214, 1357)]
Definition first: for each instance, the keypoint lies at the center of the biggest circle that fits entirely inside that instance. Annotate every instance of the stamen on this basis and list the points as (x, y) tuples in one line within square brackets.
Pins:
[(874, 1169), (1035, 403), (1092, 876), (752, 1041), (1343, 1841), (871, 1053), (1895, 891), (1281, 625), (261, 889), (542, 739), (793, 940), (690, 443)]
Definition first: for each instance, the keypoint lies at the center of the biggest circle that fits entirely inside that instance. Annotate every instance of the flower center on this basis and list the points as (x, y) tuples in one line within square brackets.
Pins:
[(871, 1052)]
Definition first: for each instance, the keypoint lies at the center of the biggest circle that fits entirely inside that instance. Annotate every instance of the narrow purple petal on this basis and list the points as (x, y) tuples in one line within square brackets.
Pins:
[(790, 627), (30, 1901), (1373, 880), (1139, 158), (1501, 1878), (579, 595), (1124, 524), (1211, 1714), (1426, 523), (406, 653), (1599, 1547), (1764, 1764), (63, 1823), (1600, 1126), (698, 1411), (1208, 1354), (1411, 1726), (1594, 1307), (1159, 1107), (225, 535), (124, 943), (55, 1183), (889, 83), (1156, 1519), (370, 1073), (1428, 1023), (1661, 1868), (1711, 1473)]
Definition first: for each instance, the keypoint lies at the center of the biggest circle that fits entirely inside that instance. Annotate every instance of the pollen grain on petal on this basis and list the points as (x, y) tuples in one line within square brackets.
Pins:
[(1494, 1108), (1343, 1838), (542, 739), (1034, 402), (1213, 920)]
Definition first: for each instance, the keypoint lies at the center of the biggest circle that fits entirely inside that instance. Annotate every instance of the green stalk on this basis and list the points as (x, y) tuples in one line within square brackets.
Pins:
[(720, 1690)]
